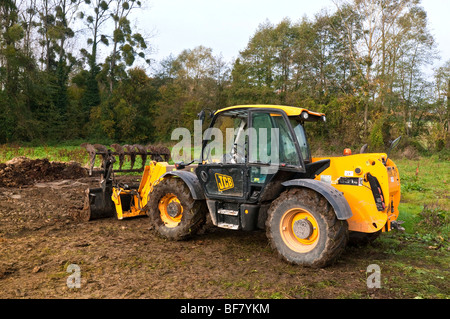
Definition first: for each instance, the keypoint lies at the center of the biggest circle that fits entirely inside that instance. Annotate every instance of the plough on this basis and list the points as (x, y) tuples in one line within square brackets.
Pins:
[(155, 153), (98, 203)]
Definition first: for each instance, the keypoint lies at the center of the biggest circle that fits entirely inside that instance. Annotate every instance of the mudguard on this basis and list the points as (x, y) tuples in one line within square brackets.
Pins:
[(334, 197), (191, 181)]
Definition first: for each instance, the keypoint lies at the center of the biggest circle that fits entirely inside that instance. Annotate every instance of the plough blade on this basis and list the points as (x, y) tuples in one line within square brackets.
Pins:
[(156, 153)]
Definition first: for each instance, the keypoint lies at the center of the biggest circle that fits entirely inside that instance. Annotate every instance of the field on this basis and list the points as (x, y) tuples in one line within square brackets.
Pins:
[(40, 241)]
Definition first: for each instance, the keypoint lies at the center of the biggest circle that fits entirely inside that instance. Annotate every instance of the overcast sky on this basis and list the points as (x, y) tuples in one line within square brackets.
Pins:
[(226, 26)]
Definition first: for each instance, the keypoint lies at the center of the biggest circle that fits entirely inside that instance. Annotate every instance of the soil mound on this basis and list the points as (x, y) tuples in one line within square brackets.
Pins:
[(22, 171)]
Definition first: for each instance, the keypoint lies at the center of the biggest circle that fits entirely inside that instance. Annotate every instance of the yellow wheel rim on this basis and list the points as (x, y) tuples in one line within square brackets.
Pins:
[(171, 210), (299, 230)]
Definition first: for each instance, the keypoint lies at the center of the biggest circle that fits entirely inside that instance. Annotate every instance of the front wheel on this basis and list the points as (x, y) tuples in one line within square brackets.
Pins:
[(172, 210), (303, 228)]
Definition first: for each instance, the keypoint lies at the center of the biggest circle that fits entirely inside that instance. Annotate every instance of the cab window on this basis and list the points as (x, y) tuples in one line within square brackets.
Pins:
[(300, 134), (273, 142)]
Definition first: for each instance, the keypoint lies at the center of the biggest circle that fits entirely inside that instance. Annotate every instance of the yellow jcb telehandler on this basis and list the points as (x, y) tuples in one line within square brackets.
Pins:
[(266, 178)]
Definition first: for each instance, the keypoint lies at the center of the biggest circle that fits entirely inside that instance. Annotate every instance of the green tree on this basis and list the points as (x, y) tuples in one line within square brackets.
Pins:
[(65, 11), (127, 115), (126, 44), (16, 118), (442, 104), (97, 15), (388, 42), (194, 80)]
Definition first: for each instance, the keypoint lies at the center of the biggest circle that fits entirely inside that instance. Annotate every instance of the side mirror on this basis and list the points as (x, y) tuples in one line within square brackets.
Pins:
[(363, 149), (393, 145), (201, 115), (395, 142)]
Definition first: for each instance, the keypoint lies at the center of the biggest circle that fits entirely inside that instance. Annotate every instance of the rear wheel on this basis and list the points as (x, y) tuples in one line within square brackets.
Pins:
[(303, 228), (172, 210)]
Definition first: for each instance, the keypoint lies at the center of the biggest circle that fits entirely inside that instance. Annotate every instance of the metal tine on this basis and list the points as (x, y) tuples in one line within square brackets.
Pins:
[(154, 156), (103, 151), (164, 151), (158, 153), (119, 150), (92, 153), (143, 152), (130, 149)]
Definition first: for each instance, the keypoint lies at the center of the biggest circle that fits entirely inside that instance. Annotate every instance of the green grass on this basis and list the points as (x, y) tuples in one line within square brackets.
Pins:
[(425, 200), (425, 181), (62, 153), (422, 252), (53, 153)]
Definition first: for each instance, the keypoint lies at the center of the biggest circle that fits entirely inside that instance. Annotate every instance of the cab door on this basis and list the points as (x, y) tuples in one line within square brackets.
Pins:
[(223, 171), (274, 154)]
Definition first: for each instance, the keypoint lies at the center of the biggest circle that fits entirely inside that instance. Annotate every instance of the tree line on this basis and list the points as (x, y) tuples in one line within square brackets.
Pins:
[(365, 65)]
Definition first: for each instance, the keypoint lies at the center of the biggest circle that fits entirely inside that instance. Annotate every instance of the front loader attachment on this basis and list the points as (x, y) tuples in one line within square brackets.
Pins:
[(124, 153), (109, 199), (97, 201)]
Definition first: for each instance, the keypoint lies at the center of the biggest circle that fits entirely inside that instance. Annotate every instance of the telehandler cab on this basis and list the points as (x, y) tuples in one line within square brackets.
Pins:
[(265, 178)]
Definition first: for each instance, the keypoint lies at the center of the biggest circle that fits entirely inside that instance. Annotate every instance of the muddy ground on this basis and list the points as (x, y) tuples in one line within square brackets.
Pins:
[(40, 239)]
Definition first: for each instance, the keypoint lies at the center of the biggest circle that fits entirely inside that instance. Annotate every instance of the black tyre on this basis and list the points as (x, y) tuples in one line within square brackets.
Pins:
[(302, 227), (172, 210)]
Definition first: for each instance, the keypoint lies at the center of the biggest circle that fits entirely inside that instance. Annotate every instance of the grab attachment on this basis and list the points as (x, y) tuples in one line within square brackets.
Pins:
[(155, 153)]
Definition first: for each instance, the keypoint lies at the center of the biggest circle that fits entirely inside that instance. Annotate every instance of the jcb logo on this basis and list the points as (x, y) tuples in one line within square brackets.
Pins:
[(224, 182)]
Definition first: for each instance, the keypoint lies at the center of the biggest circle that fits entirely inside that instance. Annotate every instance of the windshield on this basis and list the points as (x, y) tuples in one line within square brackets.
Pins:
[(301, 138)]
